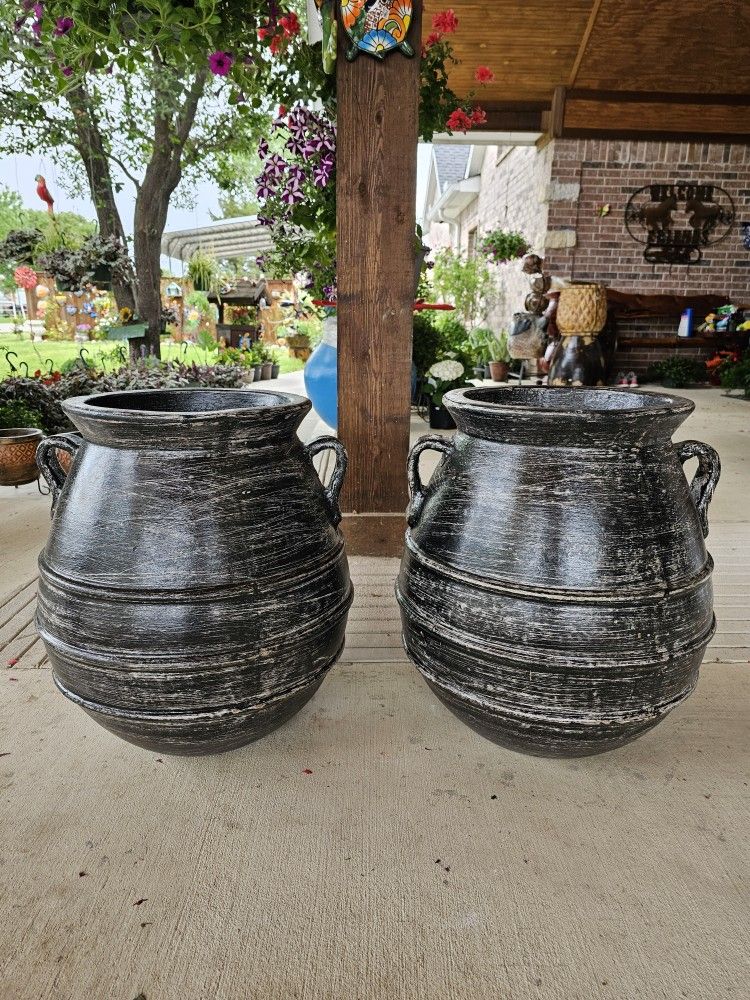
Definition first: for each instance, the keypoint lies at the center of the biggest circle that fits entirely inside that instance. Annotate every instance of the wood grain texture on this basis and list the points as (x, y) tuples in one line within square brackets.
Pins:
[(376, 192), (603, 44), (194, 589), (555, 590)]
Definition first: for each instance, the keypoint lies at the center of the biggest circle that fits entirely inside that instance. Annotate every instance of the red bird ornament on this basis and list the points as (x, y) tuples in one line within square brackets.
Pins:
[(43, 192)]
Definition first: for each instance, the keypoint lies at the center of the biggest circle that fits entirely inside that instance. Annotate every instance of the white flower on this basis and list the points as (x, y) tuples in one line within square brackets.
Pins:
[(446, 370)]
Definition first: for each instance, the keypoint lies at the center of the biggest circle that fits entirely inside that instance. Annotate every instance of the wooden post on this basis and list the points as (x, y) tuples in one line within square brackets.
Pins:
[(376, 169)]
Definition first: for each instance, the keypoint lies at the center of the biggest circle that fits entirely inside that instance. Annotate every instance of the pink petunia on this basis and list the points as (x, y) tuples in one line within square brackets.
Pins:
[(220, 63), (63, 26), (484, 75)]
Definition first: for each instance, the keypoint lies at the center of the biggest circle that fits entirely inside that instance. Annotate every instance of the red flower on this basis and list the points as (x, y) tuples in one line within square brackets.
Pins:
[(478, 116), (447, 22), (38, 373), (484, 75), (276, 43), (263, 33), (289, 24), (282, 110), (459, 121), (432, 39)]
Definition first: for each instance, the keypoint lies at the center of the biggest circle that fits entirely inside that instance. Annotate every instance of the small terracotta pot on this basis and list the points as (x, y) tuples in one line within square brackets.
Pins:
[(18, 455), (499, 371)]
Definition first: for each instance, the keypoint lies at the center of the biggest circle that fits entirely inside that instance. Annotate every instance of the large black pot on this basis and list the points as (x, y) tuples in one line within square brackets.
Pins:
[(194, 589), (555, 589)]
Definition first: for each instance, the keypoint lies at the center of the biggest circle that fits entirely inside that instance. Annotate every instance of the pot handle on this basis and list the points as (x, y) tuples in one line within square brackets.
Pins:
[(432, 442), (706, 477), (332, 491), (49, 463)]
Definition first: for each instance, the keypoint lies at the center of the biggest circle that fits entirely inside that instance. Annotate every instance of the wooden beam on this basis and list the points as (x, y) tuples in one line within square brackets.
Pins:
[(515, 116), (655, 116), (633, 115), (376, 170), (557, 113), (594, 13)]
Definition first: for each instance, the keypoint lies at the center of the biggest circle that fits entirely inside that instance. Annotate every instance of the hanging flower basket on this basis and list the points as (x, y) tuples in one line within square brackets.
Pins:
[(502, 245)]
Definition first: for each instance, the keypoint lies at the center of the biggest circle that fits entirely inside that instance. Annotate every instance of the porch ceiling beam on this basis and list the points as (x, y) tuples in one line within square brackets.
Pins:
[(581, 113)]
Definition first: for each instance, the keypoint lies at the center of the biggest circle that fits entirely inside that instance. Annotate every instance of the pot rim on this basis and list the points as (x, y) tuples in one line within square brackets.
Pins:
[(470, 400), (99, 405), (14, 435)]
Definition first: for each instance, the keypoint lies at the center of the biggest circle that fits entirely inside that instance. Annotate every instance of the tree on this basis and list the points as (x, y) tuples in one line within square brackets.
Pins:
[(150, 93)]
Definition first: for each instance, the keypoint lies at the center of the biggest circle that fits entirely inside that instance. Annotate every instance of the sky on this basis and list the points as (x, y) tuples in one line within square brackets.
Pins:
[(17, 172)]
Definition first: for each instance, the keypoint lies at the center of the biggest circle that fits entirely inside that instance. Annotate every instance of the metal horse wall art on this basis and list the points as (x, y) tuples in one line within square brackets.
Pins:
[(675, 221)]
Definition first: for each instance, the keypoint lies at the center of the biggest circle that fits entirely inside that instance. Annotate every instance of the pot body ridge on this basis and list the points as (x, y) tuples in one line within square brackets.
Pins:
[(555, 588), (194, 588)]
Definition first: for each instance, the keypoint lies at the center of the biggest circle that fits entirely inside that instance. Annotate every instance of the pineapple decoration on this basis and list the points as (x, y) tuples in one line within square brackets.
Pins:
[(377, 26)]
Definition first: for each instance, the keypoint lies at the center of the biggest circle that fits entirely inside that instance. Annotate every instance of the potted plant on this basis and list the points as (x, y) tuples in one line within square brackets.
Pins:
[(96, 261), (20, 435), (129, 327), (502, 245), (499, 357), (441, 377), (256, 361), (203, 271), (275, 363), (677, 373)]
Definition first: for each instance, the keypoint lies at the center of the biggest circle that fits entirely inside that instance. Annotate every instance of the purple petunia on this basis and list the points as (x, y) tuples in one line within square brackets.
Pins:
[(262, 149), (276, 166), (220, 63), (66, 70), (292, 194), (63, 26)]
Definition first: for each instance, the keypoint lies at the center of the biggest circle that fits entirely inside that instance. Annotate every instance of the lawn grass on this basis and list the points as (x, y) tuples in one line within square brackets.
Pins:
[(58, 351)]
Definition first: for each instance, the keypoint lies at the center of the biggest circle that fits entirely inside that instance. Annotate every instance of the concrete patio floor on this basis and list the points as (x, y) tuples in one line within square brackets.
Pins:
[(416, 860)]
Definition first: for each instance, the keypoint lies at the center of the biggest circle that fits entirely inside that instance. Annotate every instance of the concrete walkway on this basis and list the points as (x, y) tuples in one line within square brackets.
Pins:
[(415, 861)]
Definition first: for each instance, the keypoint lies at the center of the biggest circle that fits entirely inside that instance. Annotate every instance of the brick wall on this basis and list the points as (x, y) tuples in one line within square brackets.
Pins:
[(554, 195), (600, 248)]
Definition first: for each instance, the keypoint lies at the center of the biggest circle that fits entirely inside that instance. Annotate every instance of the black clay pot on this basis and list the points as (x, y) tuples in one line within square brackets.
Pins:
[(555, 588), (194, 589), (440, 418)]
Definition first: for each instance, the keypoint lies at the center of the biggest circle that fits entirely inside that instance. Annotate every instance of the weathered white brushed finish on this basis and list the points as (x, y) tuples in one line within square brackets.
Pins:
[(555, 589), (194, 590)]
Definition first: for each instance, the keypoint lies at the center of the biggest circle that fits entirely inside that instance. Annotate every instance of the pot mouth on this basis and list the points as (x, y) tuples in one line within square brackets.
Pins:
[(10, 434), (194, 417), (187, 402), (565, 403)]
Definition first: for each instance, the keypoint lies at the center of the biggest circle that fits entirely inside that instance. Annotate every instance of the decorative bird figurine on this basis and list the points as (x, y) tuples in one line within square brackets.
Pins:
[(43, 192)]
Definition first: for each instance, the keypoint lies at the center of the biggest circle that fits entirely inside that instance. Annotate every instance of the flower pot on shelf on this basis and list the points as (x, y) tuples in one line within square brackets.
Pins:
[(275, 369), (487, 372), (18, 455), (258, 372), (499, 371), (265, 370), (440, 418)]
